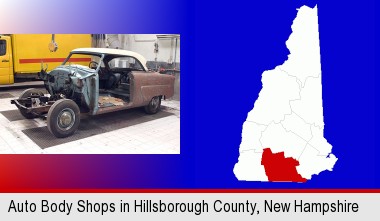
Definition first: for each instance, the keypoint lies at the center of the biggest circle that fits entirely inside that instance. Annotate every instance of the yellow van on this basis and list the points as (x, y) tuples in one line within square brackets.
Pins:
[(21, 55)]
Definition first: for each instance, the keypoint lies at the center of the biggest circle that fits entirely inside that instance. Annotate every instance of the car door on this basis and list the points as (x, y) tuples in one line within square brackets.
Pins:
[(5, 61)]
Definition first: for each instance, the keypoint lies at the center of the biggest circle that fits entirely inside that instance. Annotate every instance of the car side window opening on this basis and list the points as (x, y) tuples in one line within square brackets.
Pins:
[(125, 62), (3, 47)]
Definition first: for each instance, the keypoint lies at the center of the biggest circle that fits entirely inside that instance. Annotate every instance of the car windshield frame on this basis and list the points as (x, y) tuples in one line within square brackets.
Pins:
[(101, 56)]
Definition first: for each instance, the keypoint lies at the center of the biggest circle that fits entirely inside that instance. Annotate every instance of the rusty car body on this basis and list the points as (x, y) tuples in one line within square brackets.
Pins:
[(99, 88)]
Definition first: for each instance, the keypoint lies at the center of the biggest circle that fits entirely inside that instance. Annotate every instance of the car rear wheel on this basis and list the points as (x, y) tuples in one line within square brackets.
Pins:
[(154, 105), (25, 94), (63, 118)]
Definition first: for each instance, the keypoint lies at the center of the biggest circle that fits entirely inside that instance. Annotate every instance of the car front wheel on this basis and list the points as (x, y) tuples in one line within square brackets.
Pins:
[(63, 118), (154, 105), (25, 94)]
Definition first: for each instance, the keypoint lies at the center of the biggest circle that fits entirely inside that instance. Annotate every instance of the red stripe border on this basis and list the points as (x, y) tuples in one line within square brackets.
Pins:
[(190, 191), (47, 60)]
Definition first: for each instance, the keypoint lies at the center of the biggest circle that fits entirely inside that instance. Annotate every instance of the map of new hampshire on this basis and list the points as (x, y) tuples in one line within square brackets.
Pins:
[(282, 137)]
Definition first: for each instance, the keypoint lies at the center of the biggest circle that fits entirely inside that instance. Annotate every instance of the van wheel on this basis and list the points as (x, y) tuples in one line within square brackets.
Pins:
[(25, 94), (153, 106), (63, 118)]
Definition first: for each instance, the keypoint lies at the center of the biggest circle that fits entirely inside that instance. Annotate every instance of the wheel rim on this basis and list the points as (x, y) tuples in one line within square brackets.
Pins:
[(154, 103), (66, 119)]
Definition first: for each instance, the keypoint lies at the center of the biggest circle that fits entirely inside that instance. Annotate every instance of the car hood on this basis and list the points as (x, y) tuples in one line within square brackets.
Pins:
[(79, 71)]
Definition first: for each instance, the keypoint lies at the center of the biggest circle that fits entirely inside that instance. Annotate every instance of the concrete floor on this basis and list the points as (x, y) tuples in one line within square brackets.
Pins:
[(146, 134)]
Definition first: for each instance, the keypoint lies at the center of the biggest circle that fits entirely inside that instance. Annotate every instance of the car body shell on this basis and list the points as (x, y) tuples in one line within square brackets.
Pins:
[(81, 84)]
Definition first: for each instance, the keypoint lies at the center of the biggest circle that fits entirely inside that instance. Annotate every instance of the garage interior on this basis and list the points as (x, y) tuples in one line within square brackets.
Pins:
[(123, 132)]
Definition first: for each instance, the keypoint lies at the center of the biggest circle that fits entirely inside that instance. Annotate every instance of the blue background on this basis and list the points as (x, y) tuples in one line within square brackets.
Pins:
[(225, 47), (349, 87), (240, 41)]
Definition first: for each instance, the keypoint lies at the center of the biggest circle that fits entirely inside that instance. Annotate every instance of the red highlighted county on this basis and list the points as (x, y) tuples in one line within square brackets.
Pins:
[(280, 169)]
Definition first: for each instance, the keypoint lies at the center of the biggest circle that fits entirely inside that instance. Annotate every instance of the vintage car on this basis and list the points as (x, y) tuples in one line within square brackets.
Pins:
[(114, 80)]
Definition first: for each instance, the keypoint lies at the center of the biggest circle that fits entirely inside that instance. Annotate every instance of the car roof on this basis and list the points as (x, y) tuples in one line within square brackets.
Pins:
[(111, 51)]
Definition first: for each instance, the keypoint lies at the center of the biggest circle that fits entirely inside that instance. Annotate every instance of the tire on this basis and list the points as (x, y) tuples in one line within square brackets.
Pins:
[(153, 106), (26, 94), (63, 118)]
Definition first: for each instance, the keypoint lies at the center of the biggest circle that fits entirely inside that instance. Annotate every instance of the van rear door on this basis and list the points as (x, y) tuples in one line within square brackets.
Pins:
[(6, 69)]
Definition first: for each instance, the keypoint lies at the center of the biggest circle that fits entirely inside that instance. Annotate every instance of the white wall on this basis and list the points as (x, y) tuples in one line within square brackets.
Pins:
[(144, 45)]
